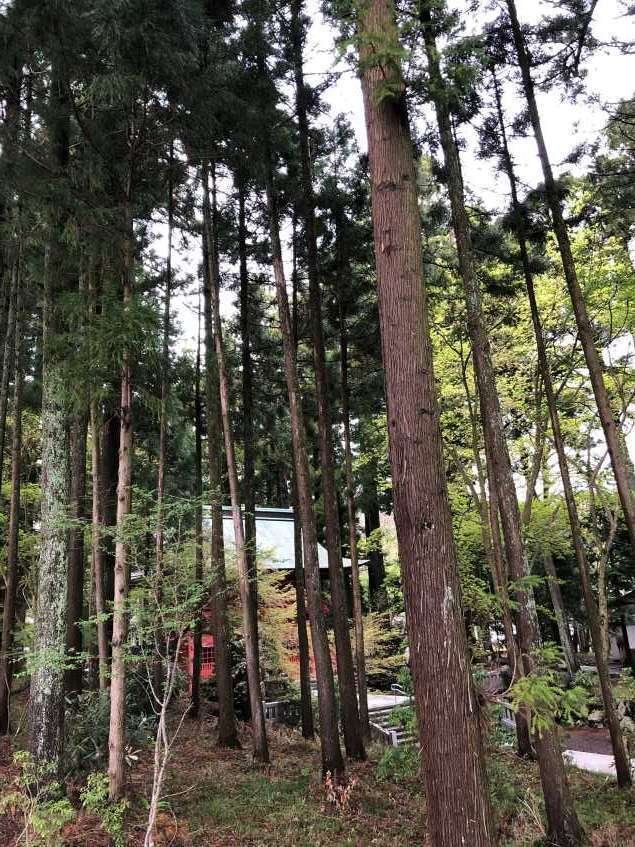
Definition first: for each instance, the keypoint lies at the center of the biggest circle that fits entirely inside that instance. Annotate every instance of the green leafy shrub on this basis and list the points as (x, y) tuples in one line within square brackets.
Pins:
[(38, 797), (87, 727), (405, 716), (95, 799), (544, 695), (398, 764)]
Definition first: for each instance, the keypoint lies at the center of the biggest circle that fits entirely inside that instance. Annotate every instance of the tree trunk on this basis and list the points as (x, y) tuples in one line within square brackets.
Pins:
[(46, 704), (97, 545), (332, 761), (227, 729), (353, 740), (447, 709), (13, 554), (75, 578), (559, 611), (195, 699), (157, 671), (109, 467), (7, 360), (116, 737), (551, 768), (306, 701), (376, 566), (619, 749), (250, 620), (249, 496), (585, 329), (358, 614)]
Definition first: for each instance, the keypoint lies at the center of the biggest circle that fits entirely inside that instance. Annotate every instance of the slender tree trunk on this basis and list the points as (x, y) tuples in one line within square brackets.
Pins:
[(306, 702), (306, 706), (563, 826), (13, 555), (195, 704), (345, 670), (249, 497), (109, 467), (227, 730), (358, 614), (559, 611), (585, 329), (75, 578), (116, 737), (622, 762), (157, 671), (250, 620), (332, 761), (376, 566), (447, 711), (46, 704), (97, 545), (7, 359)]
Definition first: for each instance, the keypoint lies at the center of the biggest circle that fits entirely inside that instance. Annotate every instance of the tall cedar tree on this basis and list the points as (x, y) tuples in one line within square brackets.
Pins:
[(46, 701), (353, 740), (452, 755), (227, 729), (332, 761)]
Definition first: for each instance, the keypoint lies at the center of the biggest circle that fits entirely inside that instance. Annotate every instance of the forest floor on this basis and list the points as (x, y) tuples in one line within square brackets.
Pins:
[(218, 798)]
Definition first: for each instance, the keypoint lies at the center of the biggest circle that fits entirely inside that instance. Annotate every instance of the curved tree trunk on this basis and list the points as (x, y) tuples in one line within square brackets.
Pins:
[(561, 816), (585, 329), (622, 762), (452, 754)]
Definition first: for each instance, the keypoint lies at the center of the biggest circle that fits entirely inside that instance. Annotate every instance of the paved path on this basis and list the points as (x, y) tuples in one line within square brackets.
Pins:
[(386, 701), (594, 762)]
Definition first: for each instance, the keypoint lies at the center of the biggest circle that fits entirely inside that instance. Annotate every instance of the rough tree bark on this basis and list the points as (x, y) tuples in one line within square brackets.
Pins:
[(332, 761), (227, 729), (447, 708), (585, 329), (250, 620), (353, 740), (622, 762), (46, 704), (563, 825), (12, 573)]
